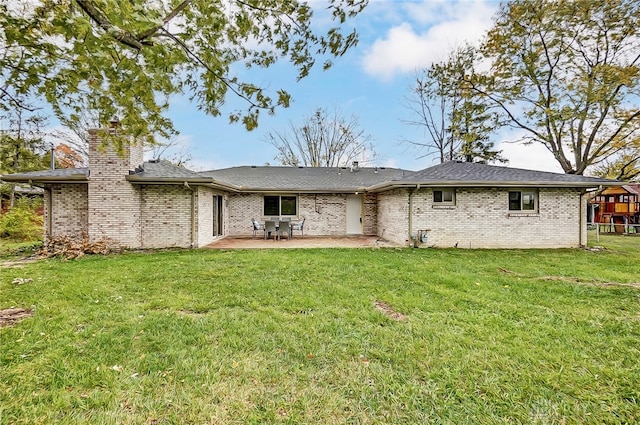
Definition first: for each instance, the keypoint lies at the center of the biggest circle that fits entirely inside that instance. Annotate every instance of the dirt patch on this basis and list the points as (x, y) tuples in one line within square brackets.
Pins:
[(18, 264), (388, 311), (11, 316), (592, 282)]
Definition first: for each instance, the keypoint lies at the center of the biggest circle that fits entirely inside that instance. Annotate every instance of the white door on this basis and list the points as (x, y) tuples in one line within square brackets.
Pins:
[(354, 215)]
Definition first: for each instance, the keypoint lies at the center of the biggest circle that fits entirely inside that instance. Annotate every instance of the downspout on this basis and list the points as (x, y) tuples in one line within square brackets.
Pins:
[(581, 233), (411, 193), (49, 232), (193, 214), (411, 243)]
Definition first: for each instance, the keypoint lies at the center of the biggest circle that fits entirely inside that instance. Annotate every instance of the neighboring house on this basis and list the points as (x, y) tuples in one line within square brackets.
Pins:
[(617, 207), (20, 191), (155, 204)]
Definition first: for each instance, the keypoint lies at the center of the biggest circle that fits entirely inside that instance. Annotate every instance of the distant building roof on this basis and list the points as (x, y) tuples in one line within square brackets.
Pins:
[(632, 188)]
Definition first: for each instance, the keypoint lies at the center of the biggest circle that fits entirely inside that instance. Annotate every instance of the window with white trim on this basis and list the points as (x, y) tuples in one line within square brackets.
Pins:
[(523, 200), (444, 197), (280, 205)]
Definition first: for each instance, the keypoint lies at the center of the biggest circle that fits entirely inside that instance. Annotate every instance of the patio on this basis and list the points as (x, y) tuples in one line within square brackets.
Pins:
[(229, 242)]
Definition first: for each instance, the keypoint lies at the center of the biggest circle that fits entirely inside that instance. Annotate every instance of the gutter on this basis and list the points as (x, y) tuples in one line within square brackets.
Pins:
[(75, 178), (351, 190), (380, 187), (135, 179), (193, 214)]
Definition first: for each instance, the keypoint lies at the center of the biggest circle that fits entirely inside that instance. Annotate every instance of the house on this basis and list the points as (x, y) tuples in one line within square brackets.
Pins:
[(20, 191), (154, 204), (617, 208)]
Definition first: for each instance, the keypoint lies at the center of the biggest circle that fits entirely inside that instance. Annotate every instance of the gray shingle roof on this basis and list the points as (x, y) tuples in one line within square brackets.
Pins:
[(335, 179), (62, 174), (300, 179), (163, 170), (475, 174)]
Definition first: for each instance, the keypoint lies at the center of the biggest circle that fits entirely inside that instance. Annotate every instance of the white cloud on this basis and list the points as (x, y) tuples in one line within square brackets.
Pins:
[(532, 156), (446, 26)]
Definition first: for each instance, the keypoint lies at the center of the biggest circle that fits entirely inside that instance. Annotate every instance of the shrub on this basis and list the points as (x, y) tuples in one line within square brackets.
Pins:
[(22, 222)]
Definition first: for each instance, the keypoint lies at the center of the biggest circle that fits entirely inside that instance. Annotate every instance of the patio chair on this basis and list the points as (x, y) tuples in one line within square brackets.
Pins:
[(299, 227), (284, 229), (270, 229), (256, 226)]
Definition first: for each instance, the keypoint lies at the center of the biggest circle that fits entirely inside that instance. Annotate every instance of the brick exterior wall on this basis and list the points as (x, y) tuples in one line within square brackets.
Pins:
[(480, 219), (157, 216), (65, 210), (325, 214), (165, 216), (113, 203), (204, 217), (393, 215), (370, 214)]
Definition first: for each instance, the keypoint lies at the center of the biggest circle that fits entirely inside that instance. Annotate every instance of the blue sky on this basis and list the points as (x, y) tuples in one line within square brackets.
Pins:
[(369, 82)]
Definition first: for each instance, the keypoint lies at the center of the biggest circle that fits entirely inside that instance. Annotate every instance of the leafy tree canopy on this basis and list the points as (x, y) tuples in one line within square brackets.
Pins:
[(125, 58), (567, 74)]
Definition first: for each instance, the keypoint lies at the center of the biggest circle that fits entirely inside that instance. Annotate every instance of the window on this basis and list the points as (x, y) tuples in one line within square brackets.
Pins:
[(522, 201), (444, 196), (280, 205)]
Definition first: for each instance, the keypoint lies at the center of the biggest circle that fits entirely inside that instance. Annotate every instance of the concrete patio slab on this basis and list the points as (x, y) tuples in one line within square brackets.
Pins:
[(229, 242)]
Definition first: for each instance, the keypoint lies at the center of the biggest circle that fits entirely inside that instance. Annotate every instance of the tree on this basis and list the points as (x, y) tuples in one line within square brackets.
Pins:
[(323, 139), (67, 157), (176, 151), (22, 146), (126, 59), (625, 166), (457, 122), (566, 73)]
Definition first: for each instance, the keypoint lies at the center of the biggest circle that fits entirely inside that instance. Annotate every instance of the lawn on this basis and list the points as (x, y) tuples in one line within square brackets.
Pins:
[(326, 336)]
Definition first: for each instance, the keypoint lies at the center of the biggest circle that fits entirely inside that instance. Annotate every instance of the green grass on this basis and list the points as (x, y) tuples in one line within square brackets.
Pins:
[(10, 248), (292, 336)]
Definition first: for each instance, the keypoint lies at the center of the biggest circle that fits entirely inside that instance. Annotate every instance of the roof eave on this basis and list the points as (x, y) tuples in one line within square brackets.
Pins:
[(361, 189), (488, 183), (79, 178), (136, 179)]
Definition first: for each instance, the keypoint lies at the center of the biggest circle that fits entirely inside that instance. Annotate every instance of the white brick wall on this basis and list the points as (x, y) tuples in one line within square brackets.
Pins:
[(66, 210), (393, 215), (370, 214), (166, 216), (113, 203), (481, 219), (204, 224), (325, 214), (155, 216)]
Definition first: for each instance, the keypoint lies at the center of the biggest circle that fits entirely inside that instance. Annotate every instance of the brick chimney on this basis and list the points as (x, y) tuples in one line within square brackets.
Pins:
[(114, 203)]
